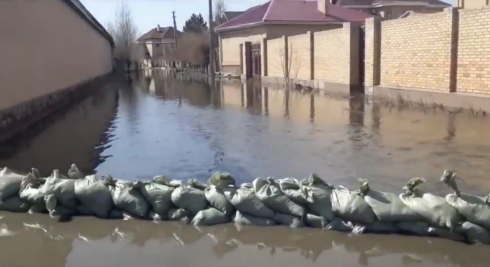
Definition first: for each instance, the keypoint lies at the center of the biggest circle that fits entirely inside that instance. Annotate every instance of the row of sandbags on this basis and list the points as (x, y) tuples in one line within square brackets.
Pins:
[(310, 202)]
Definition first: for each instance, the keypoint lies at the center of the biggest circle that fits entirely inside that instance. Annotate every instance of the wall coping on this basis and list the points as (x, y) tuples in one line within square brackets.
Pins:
[(80, 9)]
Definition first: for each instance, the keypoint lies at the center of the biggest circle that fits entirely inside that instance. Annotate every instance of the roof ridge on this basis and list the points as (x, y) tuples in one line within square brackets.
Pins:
[(271, 2), (244, 13)]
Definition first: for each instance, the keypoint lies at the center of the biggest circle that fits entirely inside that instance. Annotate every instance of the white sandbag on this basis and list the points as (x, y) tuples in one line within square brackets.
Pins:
[(63, 189), (14, 204), (159, 196), (387, 207), (222, 179), (288, 220), (269, 192), (94, 195), (194, 183), (210, 216), (30, 193), (475, 234), (56, 209), (245, 201), (128, 198), (433, 209), (318, 194), (189, 198), (178, 215), (216, 197), (9, 183), (75, 173), (475, 209), (246, 219), (315, 221), (351, 207)]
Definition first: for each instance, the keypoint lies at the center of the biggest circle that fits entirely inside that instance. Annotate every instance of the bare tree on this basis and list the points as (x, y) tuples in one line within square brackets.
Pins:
[(219, 10), (287, 58), (193, 48), (124, 32)]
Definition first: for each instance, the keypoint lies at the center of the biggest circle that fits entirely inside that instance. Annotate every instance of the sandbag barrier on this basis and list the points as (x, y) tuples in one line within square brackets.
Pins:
[(311, 202)]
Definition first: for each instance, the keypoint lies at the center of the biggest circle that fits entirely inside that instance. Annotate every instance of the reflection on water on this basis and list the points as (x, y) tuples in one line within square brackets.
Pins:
[(90, 242), (151, 124)]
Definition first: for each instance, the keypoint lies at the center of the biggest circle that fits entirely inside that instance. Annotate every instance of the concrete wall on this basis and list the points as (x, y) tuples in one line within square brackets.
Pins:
[(45, 46), (276, 57), (300, 49)]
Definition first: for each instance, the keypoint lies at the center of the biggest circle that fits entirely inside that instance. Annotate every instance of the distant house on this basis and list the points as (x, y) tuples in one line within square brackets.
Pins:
[(393, 9), (159, 46), (274, 19)]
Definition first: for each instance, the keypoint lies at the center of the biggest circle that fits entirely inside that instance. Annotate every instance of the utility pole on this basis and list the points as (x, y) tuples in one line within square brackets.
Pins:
[(211, 43)]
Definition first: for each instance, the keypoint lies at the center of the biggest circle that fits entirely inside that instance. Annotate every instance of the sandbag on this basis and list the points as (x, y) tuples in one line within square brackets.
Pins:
[(178, 215), (9, 183), (56, 209), (128, 198), (61, 188), (379, 227), (433, 209), (84, 210), (387, 207), (288, 220), (194, 183), (94, 195), (447, 234), (475, 209), (210, 216), (30, 193), (294, 190), (14, 204), (314, 221), (318, 194), (159, 196), (216, 197), (245, 201), (474, 233), (340, 225), (420, 228), (246, 219), (189, 198), (351, 207), (269, 192), (74, 173), (115, 214), (222, 179)]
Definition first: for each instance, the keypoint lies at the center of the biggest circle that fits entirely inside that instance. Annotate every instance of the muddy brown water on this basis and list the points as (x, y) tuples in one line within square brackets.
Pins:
[(154, 124)]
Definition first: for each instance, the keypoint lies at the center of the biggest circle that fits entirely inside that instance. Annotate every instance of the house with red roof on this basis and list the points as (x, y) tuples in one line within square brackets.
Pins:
[(158, 45), (278, 18)]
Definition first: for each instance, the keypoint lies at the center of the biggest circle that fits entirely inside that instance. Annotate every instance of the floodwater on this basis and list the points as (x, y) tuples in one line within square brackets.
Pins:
[(153, 124)]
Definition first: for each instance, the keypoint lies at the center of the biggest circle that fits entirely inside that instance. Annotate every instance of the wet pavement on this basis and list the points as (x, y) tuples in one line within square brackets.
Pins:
[(154, 124)]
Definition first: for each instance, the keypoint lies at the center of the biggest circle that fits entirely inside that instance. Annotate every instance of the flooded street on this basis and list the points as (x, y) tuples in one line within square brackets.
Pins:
[(158, 125)]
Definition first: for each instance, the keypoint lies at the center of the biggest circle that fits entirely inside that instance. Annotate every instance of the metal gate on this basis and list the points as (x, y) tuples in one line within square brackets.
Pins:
[(362, 47), (256, 60)]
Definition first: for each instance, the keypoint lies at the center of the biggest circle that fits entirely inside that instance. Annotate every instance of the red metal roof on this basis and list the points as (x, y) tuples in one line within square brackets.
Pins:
[(294, 12)]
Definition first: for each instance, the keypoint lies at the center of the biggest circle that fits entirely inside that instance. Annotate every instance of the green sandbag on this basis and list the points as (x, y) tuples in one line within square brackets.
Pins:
[(155, 216), (340, 225), (245, 201), (30, 193), (318, 194), (194, 183), (62, 188), (128, 198), (178, 215), (433, 209), (447, 234), (294, 190), (288, 220), (475, 234), (189, 198), (210, 216), (387, 207), (420, 228), (221, 179), (475, 209), (314, 221), (159, 196), (74, 173), (9, 183), (269, 192), (94, 195), (56, 209), (14, 204), (351, 207), (246, 219), (216, 197)]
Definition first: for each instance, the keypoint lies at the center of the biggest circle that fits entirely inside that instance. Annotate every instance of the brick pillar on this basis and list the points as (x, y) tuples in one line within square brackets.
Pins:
[(352, 32), (286, 57), (372, 52), (312, 54), (263, 54), (453, 70), (248, 60), (242, 56)]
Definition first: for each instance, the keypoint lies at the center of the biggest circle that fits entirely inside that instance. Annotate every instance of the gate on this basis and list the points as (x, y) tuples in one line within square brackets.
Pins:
[(256, 60), (362, 47)]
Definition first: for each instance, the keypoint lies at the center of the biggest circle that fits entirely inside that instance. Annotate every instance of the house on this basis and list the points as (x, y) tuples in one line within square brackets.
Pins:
[(159, 46), (468, 4), (274, 19), (393, 9)]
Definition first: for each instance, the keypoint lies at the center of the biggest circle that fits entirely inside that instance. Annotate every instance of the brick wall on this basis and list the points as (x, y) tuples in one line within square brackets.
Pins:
[(275, 57), (332, 55), (473, 74), (299, 47), (416, 52)]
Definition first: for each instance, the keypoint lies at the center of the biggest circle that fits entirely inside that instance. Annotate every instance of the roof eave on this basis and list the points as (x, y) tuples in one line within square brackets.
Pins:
[(285, 22)]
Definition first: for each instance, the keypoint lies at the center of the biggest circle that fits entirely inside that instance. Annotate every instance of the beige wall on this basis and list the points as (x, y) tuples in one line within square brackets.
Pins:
[(299, 51), (276, 57), (416, 52), (45, 46), (473, 75)]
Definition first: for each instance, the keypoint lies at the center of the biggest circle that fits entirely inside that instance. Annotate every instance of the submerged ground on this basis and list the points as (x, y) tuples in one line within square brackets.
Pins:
[(153, 124)]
